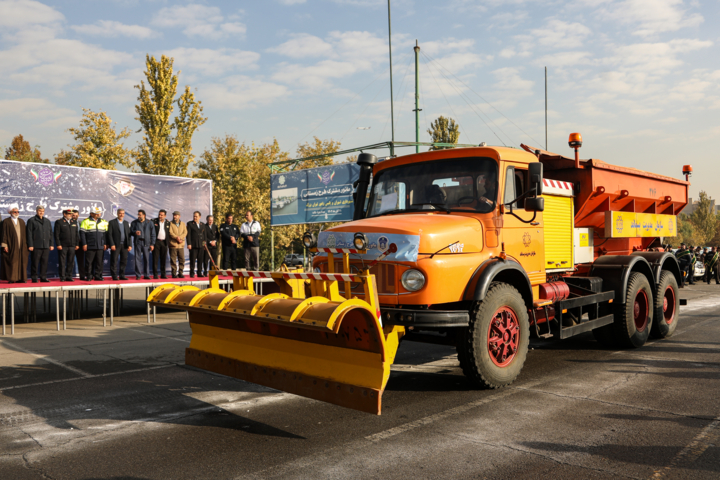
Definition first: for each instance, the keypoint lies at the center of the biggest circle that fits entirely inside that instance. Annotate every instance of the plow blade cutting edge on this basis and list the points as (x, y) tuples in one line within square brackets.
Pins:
[(324, 347)]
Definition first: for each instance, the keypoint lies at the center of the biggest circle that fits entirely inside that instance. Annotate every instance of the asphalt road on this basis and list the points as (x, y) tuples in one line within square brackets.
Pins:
[(118, 403)]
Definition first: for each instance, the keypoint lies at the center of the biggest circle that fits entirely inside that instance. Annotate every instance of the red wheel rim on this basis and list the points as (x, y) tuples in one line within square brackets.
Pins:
[(669, 305), (503, 337), (641, 310)]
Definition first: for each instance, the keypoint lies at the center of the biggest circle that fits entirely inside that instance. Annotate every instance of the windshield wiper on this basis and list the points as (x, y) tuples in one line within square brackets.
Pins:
[(443, 205)]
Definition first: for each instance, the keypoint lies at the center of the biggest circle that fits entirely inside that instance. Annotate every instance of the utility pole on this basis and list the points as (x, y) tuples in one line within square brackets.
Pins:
[(392, 113), (417, 99), (546, 146)]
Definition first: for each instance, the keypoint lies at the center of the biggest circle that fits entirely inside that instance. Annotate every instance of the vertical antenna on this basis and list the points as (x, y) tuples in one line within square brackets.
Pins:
[(392, 113), (546, 146), (417, 99)]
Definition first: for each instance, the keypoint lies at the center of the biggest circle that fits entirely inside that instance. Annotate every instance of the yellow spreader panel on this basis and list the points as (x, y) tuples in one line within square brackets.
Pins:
[(330, 349)]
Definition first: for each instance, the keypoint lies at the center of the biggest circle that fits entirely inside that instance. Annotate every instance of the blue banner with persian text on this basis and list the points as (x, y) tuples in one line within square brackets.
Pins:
[(27, 185), (314, 195)]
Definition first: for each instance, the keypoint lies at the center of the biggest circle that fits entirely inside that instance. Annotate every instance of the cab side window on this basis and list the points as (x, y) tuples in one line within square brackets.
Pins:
[(510, 188)]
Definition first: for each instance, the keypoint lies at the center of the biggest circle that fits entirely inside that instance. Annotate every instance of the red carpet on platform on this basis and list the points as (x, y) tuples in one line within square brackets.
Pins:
[(55, 282)]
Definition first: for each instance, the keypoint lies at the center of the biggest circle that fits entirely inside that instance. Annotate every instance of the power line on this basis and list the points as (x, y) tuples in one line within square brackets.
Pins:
[(443, 93), (478, 115), (484, 100)]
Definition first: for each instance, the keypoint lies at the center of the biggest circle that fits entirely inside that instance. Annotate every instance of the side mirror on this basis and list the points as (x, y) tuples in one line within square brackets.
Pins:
[(536, 180), (535, 204)]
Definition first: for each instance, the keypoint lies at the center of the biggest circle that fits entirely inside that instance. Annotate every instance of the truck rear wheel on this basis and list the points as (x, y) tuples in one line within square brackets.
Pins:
[(493, 348), (634, 319), (667, 306)]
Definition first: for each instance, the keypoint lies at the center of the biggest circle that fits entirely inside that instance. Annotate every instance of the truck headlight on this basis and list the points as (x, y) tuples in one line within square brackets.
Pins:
[(412, 280), (309, 240), (360, 241)]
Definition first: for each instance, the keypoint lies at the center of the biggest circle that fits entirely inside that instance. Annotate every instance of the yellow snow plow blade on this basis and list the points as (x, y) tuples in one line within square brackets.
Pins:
[(326, 347)]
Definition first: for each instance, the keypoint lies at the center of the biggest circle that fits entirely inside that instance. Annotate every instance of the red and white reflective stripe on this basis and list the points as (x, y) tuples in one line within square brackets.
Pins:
[(336, 277), (332, 277), (338, 250), (557, 184), (558, 187)]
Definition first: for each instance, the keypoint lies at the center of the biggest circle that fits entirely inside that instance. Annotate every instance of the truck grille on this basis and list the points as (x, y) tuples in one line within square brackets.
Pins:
[(385, 274)]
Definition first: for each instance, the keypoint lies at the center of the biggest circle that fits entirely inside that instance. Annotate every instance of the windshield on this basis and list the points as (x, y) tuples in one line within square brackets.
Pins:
[(466, 184)]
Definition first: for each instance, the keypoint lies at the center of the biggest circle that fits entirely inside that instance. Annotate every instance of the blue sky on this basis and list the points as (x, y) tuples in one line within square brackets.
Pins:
[(640, 79)]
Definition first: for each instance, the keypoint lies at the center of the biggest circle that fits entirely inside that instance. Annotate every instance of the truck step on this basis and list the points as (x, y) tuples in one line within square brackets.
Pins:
[(546, 335)]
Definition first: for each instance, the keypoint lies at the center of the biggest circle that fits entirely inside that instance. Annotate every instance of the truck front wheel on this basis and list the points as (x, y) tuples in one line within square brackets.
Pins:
[(493, 348)]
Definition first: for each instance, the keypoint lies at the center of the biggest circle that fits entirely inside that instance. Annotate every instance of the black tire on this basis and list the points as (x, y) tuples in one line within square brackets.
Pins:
[(634, 319), (667, 307), (483, 360)]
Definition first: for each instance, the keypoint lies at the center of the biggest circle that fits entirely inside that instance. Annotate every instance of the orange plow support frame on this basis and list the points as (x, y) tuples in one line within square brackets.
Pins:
[(326, 347)]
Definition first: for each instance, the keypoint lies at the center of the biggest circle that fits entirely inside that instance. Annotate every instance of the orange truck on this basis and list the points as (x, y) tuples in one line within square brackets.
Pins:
[(481, 248)]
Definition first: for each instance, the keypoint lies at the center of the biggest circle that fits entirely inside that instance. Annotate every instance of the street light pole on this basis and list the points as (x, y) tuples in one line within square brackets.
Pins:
[(392, 112), (417, 99)]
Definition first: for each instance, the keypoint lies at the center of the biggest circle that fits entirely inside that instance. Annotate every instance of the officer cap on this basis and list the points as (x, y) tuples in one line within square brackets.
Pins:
[(97, 210), (68, 211)]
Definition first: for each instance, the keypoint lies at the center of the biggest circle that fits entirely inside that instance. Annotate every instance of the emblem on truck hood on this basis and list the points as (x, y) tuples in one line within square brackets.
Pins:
[(526, 239)]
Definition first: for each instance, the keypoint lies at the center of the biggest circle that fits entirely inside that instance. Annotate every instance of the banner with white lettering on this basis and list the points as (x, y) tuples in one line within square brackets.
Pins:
[(27, 185)]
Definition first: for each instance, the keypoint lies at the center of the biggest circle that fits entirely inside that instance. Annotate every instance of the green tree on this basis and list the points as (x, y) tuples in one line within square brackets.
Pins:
[(21, 151), (97, 144), (704, 220), (686, 233), (167, 145), (444, 130), (241, 182)]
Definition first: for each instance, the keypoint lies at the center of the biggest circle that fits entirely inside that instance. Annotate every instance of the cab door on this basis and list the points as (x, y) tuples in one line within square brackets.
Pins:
[(523, 237)]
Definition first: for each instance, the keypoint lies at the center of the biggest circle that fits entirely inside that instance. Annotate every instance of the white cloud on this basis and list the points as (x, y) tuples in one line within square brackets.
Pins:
[(213, 62), (303, 46), (559, 34), (291, 2), (240, 92), (32, 108), (199, 21), (18, 14), (110, 28), (651, 17)]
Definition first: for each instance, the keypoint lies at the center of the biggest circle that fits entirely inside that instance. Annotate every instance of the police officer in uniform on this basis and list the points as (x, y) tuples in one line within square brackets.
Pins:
[(711, 265), (67, 241), (693, 261), (93, 237), (230, 234), (684, 257)]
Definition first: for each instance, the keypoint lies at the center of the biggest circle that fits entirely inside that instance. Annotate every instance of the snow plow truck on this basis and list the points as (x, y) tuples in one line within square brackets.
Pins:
[(481, 248)]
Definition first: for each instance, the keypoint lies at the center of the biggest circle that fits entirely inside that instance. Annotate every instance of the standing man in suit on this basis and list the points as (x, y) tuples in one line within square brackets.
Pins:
[(250, 232), (162, 244), (79, 253), (212, 235), (67, 241), (93, 237), (40, 243), (119, 235), (178, 232), (144, 232), (196, 244)]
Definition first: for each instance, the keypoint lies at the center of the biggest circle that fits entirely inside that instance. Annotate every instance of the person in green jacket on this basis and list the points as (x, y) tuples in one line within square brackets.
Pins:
[(711, 266)]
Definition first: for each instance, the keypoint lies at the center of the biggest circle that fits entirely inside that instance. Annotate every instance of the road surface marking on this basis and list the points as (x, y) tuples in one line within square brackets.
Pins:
[(87, 377), (705, 439), (142, 330), (47, 359)]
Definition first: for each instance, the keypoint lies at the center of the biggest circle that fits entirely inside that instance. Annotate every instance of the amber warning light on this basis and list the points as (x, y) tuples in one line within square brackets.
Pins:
[(687, 171), (575, 142)]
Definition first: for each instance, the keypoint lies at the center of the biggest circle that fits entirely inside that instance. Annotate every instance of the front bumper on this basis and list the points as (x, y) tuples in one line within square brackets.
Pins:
[(424, 318)]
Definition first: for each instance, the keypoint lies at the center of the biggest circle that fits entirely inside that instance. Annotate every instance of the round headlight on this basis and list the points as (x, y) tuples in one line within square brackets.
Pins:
[(309, 240), (412, 280), (360, 241)]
